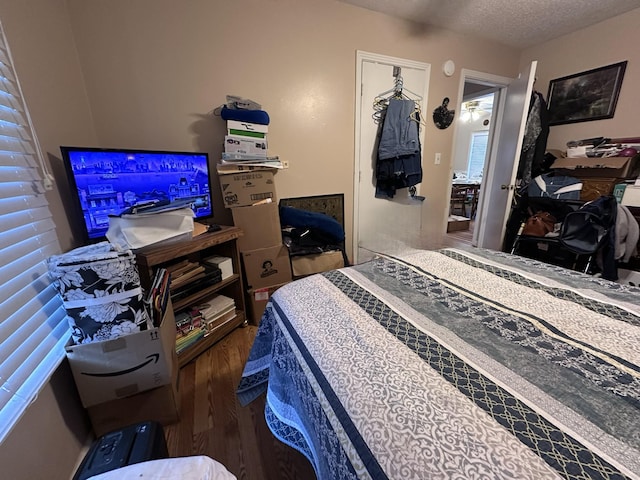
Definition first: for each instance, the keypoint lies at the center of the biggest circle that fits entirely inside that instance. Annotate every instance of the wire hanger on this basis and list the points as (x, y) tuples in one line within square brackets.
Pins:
[(399, 91)]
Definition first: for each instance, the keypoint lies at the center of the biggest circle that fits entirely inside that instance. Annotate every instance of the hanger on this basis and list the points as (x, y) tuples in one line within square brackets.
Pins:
[(381, 101)]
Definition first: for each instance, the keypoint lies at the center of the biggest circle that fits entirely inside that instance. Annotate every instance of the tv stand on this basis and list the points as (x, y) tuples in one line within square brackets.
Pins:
[(222, 243)]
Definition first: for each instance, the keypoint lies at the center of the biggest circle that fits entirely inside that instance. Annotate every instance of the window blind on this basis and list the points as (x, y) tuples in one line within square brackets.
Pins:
[(33, 327)]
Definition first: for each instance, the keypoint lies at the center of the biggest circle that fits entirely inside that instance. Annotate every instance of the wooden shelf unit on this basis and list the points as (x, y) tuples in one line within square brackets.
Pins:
[(222, 243)]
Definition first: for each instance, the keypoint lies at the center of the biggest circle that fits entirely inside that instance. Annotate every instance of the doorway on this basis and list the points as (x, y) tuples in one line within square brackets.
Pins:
[(469, 161), (504, 142), (383, 225)]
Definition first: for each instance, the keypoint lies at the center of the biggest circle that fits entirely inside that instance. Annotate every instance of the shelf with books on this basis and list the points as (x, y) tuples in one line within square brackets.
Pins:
[(196, 281)]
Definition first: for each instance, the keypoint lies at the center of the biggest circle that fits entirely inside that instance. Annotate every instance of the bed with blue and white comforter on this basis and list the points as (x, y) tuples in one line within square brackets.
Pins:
[(453, 364)]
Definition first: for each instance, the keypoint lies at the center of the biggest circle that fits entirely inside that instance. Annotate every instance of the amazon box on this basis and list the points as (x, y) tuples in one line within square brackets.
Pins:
[(124, 366), (161, 404)]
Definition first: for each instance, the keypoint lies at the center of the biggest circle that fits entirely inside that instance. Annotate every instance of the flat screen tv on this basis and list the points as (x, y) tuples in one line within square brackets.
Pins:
[(107, 181)]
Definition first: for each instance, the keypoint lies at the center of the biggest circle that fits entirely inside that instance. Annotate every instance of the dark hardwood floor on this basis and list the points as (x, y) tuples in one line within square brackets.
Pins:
[(214, 424)]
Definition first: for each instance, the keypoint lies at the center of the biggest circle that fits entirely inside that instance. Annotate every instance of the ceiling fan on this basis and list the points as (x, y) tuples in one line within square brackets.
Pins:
[(473, 109)]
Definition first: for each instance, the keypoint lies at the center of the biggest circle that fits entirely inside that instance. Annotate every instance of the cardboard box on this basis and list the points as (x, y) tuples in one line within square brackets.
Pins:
[(246, 145), (126, 365), (260, 225), (457, 223), (160, 404), (235, 127), (302, 265), (257, 301), (243, 189), (266, 266), (631, 196), (619, 167)]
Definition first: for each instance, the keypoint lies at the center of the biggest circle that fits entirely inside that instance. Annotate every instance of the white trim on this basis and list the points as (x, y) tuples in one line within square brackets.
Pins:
[(490, 80)]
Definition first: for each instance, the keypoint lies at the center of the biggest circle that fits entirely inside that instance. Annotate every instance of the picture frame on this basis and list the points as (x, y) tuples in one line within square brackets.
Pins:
[(585, 96)]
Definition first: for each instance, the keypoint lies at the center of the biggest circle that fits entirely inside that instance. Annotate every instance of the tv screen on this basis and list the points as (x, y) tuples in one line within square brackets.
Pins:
[(108, 181)]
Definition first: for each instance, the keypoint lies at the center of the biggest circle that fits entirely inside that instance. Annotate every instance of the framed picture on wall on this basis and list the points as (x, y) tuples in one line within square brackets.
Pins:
[(585, 96)]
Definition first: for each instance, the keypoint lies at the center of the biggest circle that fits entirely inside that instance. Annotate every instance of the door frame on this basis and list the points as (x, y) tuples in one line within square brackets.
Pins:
[(362, 56), (500, 83)]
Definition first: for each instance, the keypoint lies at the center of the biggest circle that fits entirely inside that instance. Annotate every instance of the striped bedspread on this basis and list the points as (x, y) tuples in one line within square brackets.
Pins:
[(453, 364)]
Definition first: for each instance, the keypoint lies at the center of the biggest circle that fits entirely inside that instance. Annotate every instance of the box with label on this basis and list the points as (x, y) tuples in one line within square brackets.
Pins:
[(619, 167), (258, 299), (243, 189), (260, 225), (161, 404), (315, 263), (266, 266), (246, 145), (247, 129), (126, 365)]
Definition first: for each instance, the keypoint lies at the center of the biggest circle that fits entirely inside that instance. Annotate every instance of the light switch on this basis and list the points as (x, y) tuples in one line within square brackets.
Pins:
[(438, 158)]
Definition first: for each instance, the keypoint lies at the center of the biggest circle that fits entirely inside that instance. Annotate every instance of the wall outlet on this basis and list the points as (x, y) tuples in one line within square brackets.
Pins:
[(285, 163), (438, 158)]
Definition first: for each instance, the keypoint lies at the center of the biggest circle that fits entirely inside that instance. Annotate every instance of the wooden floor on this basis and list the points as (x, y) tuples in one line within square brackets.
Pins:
[(461, 238), (213, 423)]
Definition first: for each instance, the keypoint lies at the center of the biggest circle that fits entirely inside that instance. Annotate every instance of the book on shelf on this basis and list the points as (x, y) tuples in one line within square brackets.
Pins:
[(179, 280), (185, 341), (215, 311), (157, 296), (212, 277), (221, 320)]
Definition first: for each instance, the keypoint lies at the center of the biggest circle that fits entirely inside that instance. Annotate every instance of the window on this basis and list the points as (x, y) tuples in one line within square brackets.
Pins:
[(33, 327), (477, 154)]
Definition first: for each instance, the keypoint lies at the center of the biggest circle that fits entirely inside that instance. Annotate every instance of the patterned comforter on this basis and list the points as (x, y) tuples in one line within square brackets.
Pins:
[(453, 364)]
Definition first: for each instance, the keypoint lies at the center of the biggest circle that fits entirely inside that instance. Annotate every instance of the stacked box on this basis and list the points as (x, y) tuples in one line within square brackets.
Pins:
[(124, 366), (246, 189), (251, 196)]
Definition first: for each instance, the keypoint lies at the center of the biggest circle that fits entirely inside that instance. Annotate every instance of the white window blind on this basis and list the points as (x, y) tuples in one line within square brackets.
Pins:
[(33, 327)]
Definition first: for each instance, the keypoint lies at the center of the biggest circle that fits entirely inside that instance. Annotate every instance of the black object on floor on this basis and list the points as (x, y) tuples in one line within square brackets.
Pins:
[(133, 444)]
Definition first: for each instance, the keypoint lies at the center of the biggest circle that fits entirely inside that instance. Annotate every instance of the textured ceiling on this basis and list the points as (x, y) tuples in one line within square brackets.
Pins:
[(518, 23)]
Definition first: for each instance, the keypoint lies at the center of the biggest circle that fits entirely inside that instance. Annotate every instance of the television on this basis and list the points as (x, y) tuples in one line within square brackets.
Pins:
[(108, 181)]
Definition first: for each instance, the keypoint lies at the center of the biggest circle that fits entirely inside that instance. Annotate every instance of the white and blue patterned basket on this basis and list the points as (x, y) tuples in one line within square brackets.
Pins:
[(100, 289)]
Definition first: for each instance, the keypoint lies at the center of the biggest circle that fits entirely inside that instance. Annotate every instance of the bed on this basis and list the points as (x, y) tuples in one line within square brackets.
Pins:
[(453, 364)]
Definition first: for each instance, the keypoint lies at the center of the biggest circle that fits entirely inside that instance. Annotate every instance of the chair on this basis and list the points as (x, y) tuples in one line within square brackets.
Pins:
[(473, 192), (458, 202)]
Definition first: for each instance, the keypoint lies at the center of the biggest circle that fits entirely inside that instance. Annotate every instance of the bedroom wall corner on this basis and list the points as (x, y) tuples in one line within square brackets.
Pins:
[(605, 43)]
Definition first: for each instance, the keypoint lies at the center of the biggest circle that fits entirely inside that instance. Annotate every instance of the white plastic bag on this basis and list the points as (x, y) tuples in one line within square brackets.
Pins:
[(133, 231)]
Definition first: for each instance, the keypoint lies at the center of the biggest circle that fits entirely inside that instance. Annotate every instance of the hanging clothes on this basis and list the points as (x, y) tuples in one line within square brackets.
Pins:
[(534, 144), (399, 161)]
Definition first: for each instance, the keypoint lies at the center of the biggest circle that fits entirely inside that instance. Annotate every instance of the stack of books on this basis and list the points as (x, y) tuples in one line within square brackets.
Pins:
[(188, 277), (214, 311), (245, 148), (198, 321)]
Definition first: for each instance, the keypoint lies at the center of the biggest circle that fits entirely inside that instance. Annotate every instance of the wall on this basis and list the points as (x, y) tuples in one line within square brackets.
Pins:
[(154, 69), (608, 42), (47, 441)]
